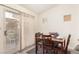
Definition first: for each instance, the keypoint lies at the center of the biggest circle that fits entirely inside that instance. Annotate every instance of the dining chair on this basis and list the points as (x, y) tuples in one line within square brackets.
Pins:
[(38, 40), (64, 49), (47, 43), (67, 44), (58, 46)]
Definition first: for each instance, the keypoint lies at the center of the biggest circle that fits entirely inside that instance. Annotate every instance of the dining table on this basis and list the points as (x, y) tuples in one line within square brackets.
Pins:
[(59, 40)]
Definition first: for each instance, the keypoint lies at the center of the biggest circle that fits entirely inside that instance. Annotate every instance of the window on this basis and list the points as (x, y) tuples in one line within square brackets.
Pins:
[(11, 15)]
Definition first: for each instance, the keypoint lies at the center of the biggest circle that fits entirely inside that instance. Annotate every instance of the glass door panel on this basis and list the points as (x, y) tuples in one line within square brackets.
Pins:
[(12, 31)]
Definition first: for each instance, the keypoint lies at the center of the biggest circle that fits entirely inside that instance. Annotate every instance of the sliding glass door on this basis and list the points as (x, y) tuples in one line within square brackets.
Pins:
[(12, 31)]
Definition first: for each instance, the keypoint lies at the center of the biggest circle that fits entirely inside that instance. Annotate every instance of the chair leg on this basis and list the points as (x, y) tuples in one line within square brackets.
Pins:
[(43, 50), (46, 51), (36, 50)]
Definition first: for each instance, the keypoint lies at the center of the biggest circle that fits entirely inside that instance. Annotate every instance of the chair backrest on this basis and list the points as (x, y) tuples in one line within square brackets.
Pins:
[(38, 36), (47, 40), (54, 34), (67, 43)]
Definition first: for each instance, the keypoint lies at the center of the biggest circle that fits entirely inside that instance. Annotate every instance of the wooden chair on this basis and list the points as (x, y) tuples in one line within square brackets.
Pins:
[(47, 43), (65, 46), (38, 40), (58, 46), (67, 43)]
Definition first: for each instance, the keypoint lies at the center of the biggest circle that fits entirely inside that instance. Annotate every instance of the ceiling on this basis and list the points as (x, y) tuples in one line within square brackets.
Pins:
[(37, 8)]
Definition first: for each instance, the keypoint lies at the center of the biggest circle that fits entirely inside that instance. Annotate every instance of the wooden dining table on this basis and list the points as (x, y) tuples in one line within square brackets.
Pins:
[(60, 40)]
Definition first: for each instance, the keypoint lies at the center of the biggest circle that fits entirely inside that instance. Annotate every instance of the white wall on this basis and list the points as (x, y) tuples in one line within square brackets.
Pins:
[(55, 22)]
